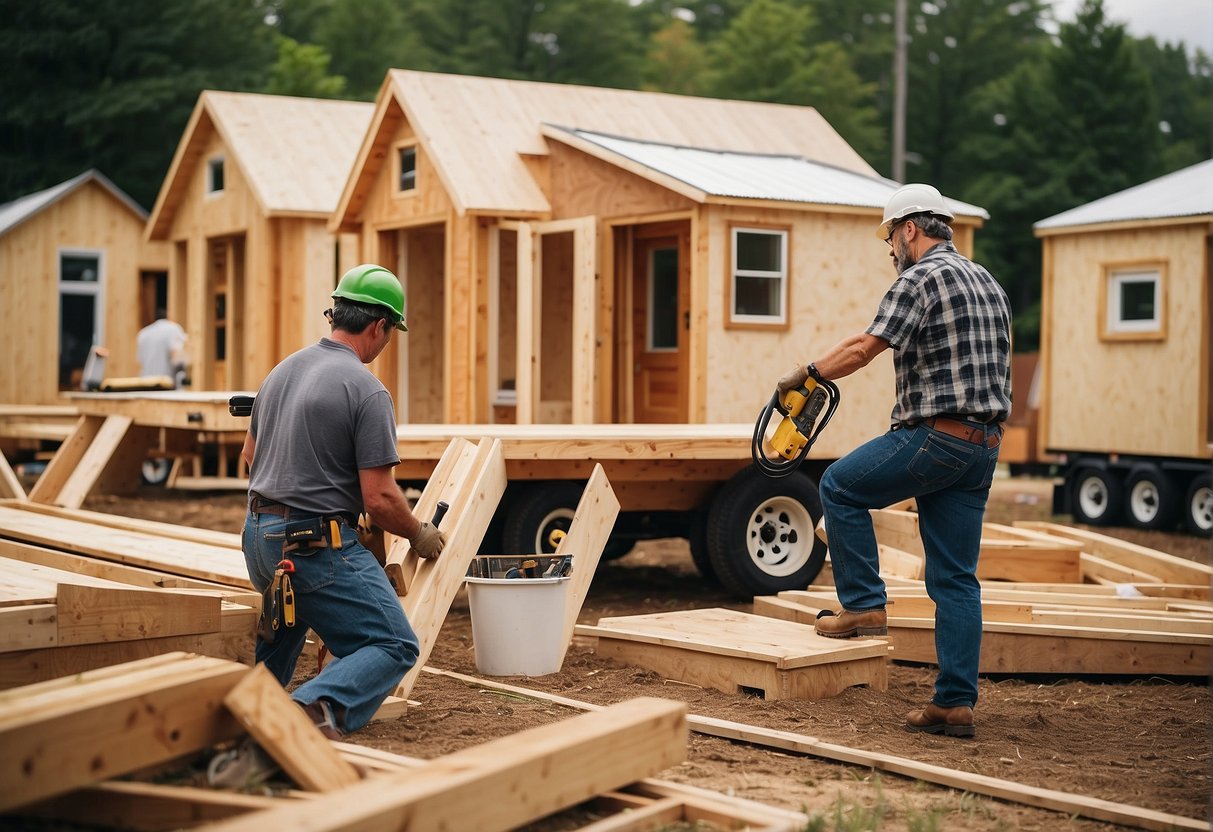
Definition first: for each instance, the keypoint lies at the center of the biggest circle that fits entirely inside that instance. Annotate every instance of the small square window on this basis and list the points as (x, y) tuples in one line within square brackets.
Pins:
[(759, 276), (1134, 302), (408, 168), (214, 175)]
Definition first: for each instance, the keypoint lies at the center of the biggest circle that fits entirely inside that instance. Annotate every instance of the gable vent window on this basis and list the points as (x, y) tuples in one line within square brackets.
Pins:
[(214, 175), (408, 168)]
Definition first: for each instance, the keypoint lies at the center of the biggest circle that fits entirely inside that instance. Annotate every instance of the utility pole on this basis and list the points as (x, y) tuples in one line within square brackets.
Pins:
[(899, 91)]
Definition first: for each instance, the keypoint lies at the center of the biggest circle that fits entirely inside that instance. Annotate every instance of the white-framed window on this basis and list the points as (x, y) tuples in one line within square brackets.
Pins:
[(81, 311), (407, 163), (1134, 305), (758, 285), (214, 175)]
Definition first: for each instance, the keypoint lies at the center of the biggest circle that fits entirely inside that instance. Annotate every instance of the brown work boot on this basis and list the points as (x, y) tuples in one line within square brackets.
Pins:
[(321, 714), (951, 722), (847, 624)]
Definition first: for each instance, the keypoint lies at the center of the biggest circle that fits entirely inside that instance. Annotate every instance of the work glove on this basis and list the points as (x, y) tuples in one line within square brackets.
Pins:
[(794, 380), (428, 541)]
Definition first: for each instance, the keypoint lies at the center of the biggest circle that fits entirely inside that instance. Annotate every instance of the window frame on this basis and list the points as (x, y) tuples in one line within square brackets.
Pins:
[(398, 150), (1112, 326), (218, 161), (94, 289), (732, 320)]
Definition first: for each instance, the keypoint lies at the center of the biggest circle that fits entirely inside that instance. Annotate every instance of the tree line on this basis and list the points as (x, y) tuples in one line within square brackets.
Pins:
[(1008, 107)]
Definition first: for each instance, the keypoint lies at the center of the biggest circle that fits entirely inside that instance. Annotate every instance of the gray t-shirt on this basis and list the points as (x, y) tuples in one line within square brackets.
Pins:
[(319, 417)]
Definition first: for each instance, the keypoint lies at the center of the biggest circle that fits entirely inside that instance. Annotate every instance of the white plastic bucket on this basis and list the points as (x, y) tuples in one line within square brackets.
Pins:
[(517, 624)]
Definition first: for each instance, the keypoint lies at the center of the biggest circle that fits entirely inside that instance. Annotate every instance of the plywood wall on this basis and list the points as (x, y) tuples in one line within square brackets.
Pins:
[(386, 205), (584, 186), (90, 219), (839, 272), (1126, 396)]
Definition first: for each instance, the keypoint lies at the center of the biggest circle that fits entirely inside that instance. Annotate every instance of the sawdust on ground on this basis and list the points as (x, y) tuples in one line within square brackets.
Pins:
[(1140, 741)]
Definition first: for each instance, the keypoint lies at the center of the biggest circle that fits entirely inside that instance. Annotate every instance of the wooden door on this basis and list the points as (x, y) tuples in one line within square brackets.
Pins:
[(660, 321)]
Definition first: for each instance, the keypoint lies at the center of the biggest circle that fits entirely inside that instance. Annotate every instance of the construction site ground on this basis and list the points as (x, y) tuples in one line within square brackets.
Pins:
[(1139, 741)]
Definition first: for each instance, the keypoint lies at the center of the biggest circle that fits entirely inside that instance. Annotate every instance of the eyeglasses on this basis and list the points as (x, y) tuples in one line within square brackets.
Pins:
[(892, 230)]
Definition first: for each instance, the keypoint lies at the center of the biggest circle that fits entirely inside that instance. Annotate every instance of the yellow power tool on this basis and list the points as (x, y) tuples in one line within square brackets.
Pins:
[(801, 409)]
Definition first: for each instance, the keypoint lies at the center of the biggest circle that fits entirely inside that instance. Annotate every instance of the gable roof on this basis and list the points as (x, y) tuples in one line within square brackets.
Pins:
[(295, 153), (713, 175), (476, 132), (1184, 193), (23, 208)]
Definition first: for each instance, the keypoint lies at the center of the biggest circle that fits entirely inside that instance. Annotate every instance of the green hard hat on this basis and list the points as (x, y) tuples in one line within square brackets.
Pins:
[(369, 283)]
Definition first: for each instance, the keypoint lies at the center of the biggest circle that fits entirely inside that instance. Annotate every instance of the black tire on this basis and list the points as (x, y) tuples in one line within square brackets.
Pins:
[(697, 536), (760, 534), (1096, 497), (1151, 498), (156, 471), (540, 508), (1198, 507)]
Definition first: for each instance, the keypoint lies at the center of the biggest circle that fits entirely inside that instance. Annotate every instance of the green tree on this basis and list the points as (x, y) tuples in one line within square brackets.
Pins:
[(594, 42), (366, 38), (303, 69), (1077, 122), (1183, 85), (830, 84), (676, 61), (761, 53), (110, 83)]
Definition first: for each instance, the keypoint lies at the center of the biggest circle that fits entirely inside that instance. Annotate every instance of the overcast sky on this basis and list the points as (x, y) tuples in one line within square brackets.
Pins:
[(1190, 21)]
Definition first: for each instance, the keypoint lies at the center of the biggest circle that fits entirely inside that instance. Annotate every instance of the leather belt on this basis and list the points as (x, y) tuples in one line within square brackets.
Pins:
[(264, 505), (989, 437)]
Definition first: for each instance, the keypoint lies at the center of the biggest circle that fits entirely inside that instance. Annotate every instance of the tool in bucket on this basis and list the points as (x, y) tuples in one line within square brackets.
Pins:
[(278, 600)]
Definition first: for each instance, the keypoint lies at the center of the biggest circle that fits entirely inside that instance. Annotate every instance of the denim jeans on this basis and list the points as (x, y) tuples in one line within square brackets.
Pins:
[(345, 597), (950, 479)]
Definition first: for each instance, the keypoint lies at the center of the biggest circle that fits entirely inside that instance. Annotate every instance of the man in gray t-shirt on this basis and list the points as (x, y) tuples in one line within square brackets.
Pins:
[(321, 446)]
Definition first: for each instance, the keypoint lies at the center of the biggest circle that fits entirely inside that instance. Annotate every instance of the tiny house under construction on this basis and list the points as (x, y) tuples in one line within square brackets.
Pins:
[(75, 273), (576, 254), (1125, 350), (245, 207)]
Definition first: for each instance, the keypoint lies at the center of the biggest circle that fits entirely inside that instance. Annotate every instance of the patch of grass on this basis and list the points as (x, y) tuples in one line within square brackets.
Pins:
[(849, 815)]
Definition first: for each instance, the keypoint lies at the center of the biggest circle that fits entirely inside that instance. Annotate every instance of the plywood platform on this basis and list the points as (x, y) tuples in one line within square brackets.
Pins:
[(738, 652)]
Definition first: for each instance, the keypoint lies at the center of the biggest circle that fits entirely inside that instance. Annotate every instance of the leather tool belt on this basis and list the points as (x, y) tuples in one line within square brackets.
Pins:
[(989, 437)]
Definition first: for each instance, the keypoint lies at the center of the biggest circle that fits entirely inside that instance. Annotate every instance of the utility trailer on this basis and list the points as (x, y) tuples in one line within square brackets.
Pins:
[(749, 533)]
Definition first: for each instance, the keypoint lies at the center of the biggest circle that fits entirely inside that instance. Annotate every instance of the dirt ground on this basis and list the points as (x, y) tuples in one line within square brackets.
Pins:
[(1141, 741)]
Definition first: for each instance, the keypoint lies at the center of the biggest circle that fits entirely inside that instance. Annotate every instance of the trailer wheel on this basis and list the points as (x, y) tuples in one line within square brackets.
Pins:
[(1199, 504), (760, 534), (156, 471), (1151, 498), (1097, 497), (537, 510)]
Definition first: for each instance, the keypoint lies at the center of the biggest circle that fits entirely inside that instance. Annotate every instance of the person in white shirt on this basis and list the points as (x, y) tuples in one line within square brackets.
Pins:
[(160, 347)]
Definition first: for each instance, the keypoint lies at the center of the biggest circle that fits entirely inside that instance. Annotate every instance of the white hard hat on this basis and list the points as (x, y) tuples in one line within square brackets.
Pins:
[(915, 198)]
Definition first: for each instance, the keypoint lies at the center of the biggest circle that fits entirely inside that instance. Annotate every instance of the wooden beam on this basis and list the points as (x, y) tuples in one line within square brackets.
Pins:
[(588, 533), (61, 735), (504, 783), (285, 733), (10, 485), (1167, 568), (147, 807), (1007, 790)]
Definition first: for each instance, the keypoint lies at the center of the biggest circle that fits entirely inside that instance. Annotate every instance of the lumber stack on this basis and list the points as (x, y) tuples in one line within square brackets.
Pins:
[(66, 739), (74, 597), (1055, 599)]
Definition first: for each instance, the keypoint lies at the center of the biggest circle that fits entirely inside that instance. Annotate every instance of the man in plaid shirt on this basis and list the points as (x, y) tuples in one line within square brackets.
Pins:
[(949, 324)]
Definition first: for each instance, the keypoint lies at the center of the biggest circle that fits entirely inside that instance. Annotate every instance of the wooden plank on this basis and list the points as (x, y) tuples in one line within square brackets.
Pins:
[(26, 667), (10, 485), (1095, 568), (93, 461), (170, 530), (59, 739), (1168, 568), (28, 627), (504, 783), (1028, 561), (147, 807), (181, 557), (92, 614), (65, 460), (286, 734), (437, 581), (1007, 790), (588, 533)]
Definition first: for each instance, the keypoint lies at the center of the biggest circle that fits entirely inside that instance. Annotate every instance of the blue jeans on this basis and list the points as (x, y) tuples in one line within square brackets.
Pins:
[(345, 597), (950, 479)]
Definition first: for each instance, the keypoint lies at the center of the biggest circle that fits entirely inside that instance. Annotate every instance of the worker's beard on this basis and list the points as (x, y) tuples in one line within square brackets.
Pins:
[(903, 258)]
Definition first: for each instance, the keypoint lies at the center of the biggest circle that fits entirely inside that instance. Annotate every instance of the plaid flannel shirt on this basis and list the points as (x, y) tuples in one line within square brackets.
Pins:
[(949, 324)]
